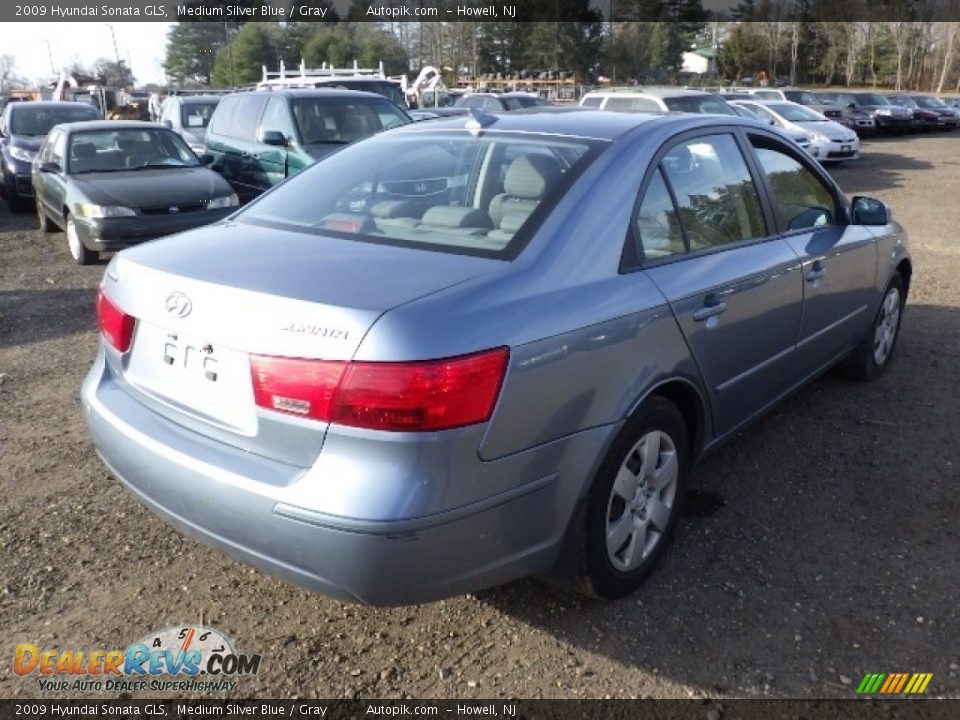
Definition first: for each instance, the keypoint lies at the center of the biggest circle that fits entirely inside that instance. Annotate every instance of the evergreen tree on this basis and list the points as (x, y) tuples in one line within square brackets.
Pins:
[(192, 49), (239, 62)]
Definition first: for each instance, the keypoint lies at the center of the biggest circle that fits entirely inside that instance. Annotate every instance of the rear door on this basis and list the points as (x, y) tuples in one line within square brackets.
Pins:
[(734, 287), (839, 259)]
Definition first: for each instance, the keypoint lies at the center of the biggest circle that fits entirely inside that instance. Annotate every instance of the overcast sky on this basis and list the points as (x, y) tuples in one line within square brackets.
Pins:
[(140, 44)]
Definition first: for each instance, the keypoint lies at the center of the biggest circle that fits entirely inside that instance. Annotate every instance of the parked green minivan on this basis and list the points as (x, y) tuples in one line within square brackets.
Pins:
[(259, 138)]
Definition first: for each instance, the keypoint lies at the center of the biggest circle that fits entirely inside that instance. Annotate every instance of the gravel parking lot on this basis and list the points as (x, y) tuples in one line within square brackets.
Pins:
[(823, 543)]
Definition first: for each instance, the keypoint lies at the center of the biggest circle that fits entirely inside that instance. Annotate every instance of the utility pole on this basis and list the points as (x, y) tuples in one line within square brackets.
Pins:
[(116, 54), (50, 55)]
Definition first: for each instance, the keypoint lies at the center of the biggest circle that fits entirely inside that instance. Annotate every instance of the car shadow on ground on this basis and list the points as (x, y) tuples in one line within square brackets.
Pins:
[(821, 544), (884, 170), (32, 316)]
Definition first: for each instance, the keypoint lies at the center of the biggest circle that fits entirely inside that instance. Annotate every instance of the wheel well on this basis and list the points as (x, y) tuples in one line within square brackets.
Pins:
[(905, 268), (690, 405)]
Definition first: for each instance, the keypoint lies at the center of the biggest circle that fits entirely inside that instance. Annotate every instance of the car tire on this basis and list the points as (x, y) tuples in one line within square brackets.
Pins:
[(46, 226), (16, 203), (625, 536), (874, 353), (80, 253)]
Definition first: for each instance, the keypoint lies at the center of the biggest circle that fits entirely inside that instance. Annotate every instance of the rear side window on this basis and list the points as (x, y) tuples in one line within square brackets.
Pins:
[(237, 116), (657, 225), (593, 102), (800, 198), (717, 201)]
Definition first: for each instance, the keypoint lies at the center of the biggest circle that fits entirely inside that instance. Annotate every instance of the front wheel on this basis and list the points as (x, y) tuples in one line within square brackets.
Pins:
[(873, 354), (80, 253), (635, 501)]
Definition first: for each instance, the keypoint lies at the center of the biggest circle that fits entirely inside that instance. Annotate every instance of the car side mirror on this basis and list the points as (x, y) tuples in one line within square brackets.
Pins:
[(51, 167), (273, 137), (869, 211), (206, 159), (168, 124)]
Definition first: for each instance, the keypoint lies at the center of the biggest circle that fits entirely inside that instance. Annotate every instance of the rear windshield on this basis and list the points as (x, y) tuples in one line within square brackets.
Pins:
[(795, 113), (39, 121), (446, 191), (871, 99), (518, 102), (928, 102), (196, 115), (801, 96), (342, 120), (699, 104)]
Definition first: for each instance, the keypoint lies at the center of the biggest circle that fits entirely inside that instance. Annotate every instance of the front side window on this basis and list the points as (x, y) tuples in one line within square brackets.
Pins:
[(237, 116), (445, 191), (717, 201), (58, 147), (38, 121), (796, 113), (801, 199), (127, 149), (338, 121), (276, 117)]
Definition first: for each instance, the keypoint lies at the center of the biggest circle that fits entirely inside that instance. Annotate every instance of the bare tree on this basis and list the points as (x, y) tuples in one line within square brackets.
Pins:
[(8, 78), (950, 31)]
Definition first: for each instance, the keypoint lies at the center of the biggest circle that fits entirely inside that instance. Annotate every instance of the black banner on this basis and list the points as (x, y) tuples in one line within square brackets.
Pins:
[(500, 709), (476, 10)]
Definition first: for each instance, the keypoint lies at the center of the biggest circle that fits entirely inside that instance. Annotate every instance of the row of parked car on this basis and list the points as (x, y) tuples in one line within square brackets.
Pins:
[(109, 184)]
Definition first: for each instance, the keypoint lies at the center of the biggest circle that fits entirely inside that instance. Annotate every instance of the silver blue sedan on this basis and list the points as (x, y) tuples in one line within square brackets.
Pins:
[(486, 347)]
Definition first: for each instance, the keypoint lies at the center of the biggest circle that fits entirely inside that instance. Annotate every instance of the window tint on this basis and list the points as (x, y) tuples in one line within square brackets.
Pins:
[(437, 191), (237, 116), (632, 104), (716, 198), (800, 198), (657, 226)]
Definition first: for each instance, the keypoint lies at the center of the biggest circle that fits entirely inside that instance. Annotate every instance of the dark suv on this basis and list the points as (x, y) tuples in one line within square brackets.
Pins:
[(23, 127), (887, 116), (258, 139)]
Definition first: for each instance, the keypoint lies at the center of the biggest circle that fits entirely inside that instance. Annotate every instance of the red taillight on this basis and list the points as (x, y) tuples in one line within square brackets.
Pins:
[(412, 396), (298, 387), (115, 325)]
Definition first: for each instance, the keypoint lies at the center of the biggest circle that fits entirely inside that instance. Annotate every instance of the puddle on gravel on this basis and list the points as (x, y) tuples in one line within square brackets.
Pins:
[(702, 503)]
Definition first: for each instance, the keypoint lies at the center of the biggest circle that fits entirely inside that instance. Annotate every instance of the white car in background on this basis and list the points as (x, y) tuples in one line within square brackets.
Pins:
[(829, 141)]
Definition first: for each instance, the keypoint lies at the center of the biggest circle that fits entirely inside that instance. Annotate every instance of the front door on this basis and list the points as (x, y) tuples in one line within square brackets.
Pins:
[(736, 291), (839, 259)]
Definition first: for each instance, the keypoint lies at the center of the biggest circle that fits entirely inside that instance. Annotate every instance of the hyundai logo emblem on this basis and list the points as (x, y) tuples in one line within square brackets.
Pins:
[(178, 304)]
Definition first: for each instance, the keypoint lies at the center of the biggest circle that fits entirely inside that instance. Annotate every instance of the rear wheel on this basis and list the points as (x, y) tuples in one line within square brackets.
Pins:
[(81, 254), (635, 501), (875, 351)]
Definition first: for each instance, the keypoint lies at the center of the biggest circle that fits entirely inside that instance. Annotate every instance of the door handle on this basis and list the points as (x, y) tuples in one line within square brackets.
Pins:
[(711, 308), (816, 272)]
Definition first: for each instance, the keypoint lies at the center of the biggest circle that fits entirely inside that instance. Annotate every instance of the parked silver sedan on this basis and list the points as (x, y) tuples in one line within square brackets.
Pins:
[(829, 141), (476, 349)]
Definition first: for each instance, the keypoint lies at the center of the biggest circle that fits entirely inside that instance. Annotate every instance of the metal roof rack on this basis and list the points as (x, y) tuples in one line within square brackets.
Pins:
[(305, 74)]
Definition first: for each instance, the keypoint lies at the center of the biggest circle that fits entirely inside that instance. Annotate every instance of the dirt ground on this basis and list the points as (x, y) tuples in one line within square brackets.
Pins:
[(821, 544)]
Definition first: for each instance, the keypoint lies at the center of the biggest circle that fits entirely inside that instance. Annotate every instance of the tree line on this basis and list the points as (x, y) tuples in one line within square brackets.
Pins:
[(796, 41)]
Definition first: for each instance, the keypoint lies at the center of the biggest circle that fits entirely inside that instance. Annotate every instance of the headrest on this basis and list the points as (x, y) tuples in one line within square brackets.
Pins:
[(84, 150), (456, 217), (530, 175)]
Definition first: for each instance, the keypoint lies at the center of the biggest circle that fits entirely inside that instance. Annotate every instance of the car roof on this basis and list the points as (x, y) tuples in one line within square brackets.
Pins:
[(48, 104), (595, 124), (315, 92), (761, 101), (187, 99), (87, 125), (659, 92)]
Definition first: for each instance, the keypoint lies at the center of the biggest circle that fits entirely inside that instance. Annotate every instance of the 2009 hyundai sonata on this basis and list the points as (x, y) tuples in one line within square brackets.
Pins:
[(481, 348)]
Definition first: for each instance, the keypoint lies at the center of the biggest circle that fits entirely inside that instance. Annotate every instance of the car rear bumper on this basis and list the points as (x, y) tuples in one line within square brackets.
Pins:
[(888, 122), (109, 234), (235, 501)]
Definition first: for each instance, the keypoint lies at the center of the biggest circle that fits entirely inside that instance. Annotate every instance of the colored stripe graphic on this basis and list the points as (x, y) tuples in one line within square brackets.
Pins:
[(894, 683)]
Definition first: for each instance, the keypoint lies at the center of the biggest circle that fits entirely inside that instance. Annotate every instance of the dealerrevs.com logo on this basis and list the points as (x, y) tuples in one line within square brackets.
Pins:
[(187, 658)]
